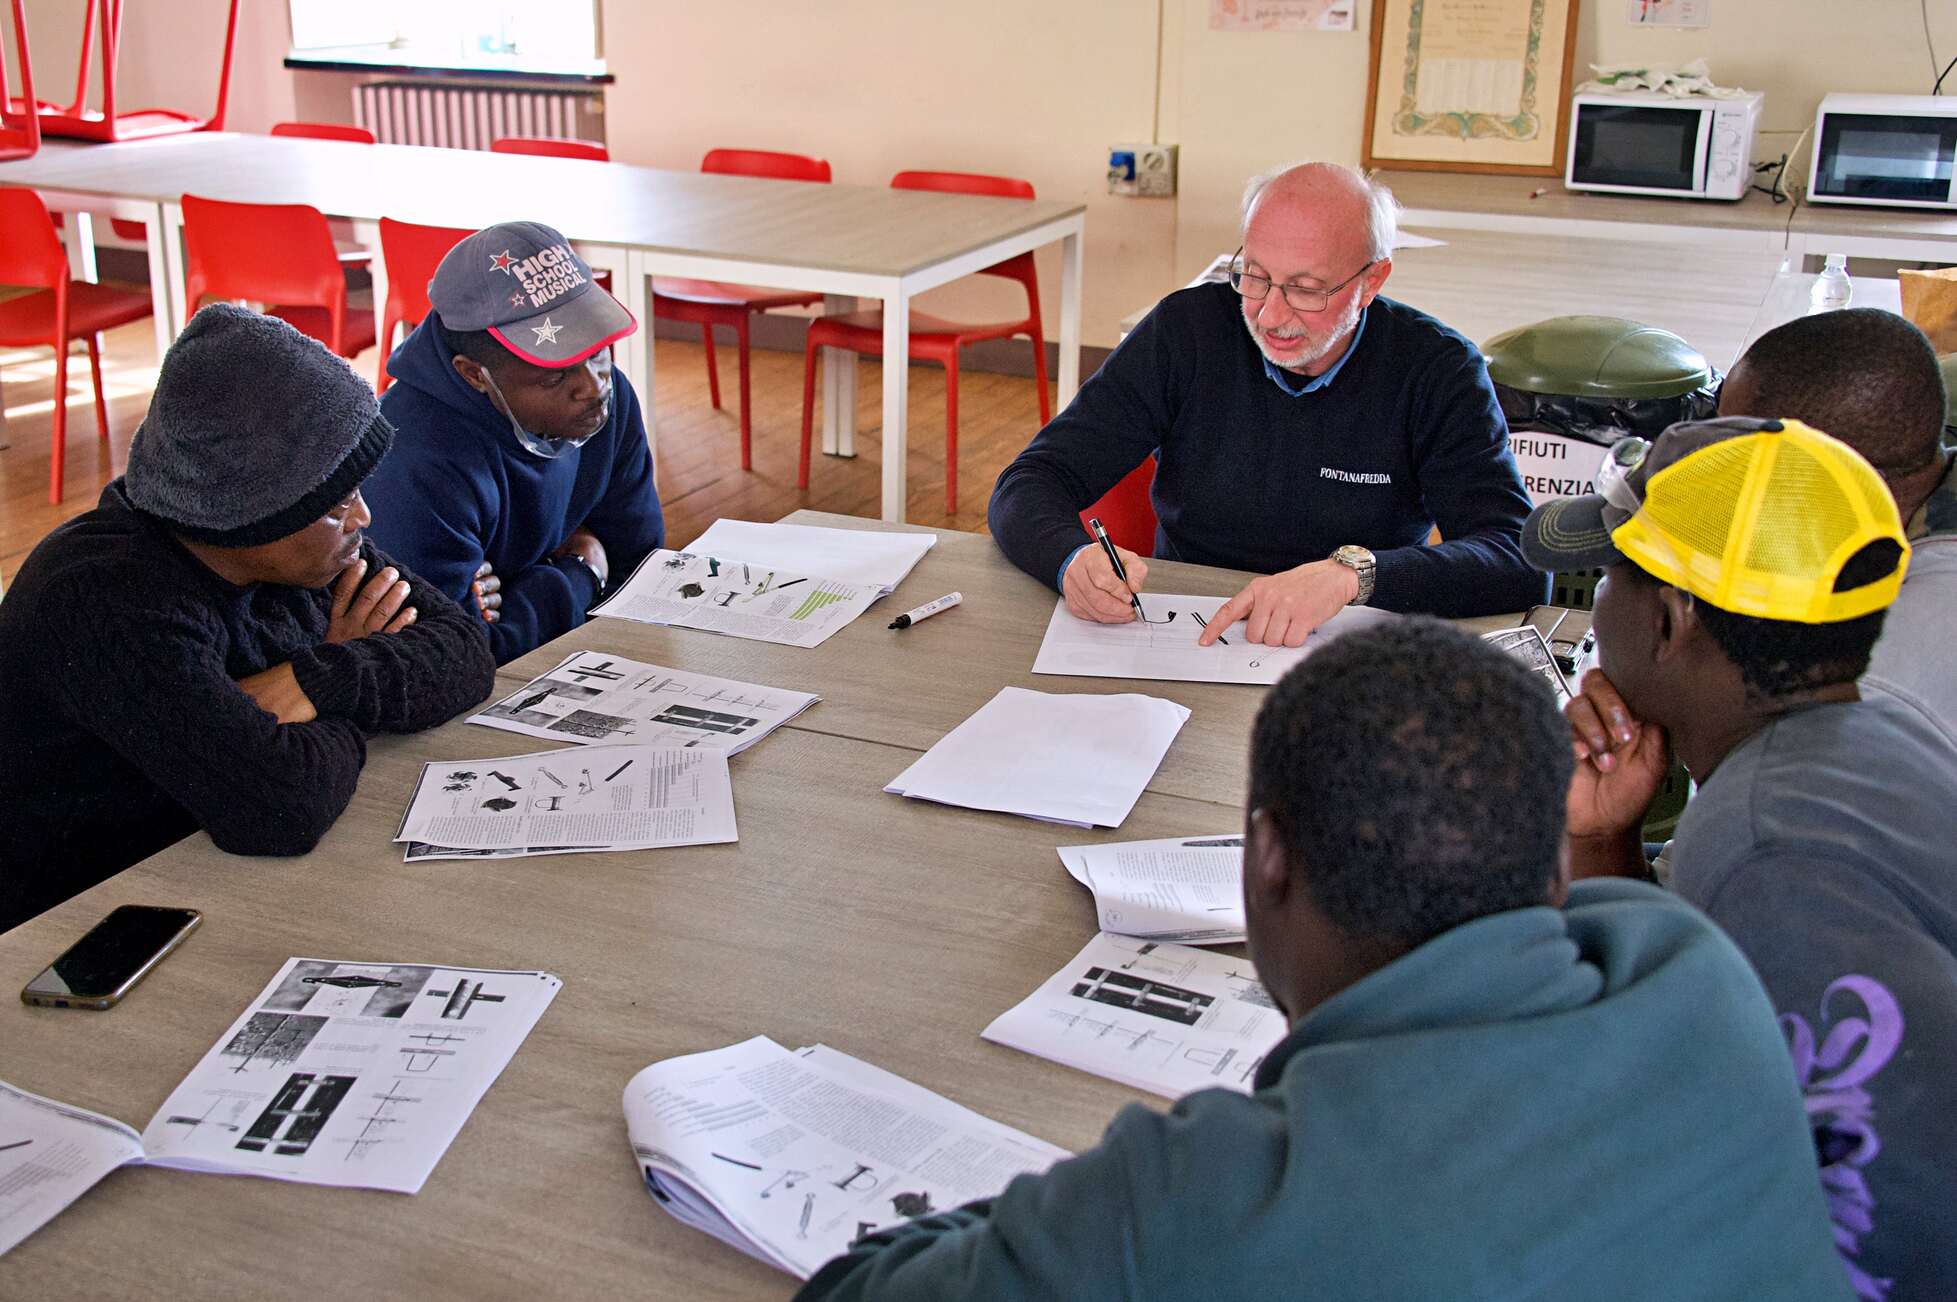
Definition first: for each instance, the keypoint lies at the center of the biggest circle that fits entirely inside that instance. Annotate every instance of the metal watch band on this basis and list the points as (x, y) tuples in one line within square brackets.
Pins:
[(1360, 561)]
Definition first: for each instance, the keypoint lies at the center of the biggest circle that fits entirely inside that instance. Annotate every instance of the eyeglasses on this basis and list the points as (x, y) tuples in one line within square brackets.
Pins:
[(1301, 298)]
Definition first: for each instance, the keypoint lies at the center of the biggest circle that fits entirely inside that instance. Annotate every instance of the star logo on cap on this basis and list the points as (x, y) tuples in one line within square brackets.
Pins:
[(547, 333), (516, 300), (501, 262)]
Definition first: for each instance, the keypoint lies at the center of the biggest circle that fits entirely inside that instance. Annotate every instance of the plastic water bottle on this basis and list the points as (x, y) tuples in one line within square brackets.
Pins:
[(1831, 288)]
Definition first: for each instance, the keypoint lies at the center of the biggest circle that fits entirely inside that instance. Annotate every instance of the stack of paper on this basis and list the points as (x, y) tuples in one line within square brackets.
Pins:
[(1159, 1017), (569, 802), (1078, 759), (594, 698), (1162, 644), (1185, 889), (788, 584), (792, 1157)]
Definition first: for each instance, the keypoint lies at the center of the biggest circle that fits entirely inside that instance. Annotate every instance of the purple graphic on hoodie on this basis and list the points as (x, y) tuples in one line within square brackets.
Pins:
[(1834, 1072)]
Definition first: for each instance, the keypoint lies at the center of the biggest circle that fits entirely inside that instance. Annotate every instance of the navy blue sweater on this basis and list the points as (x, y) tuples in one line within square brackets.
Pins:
[(456, 489), (1406, 437)]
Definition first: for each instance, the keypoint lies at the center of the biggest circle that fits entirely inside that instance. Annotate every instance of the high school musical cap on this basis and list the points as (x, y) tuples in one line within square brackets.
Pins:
[(1766, 518), (525, 285)]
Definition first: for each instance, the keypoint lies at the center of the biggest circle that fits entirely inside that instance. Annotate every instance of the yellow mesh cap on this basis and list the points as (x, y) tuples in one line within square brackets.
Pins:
[(1761, 524)]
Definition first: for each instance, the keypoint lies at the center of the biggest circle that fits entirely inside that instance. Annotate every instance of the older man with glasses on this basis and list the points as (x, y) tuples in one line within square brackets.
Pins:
[(1306, 428)]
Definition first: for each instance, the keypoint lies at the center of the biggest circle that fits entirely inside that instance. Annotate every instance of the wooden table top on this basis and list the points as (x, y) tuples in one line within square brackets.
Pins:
[(894, 930), (867, 230)]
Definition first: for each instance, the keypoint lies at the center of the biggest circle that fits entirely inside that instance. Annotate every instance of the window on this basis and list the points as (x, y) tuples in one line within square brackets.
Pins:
[(536, 36)]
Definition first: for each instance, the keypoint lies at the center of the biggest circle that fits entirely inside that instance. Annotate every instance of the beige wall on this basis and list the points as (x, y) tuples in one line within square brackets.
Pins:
[(1033, 88)]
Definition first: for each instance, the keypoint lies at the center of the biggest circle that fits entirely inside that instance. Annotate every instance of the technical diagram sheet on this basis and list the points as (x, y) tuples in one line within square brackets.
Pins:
[(1185, 889), (352, 1074), (596, 798), (1159, 1017), (593, 698), (792, 1157), (51, 1154), (1079, 759), (1164, 644), (738, 598), (877, 557)]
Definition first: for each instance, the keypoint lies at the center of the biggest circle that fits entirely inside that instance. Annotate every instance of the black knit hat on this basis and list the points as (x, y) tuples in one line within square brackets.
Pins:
[(254, 432)]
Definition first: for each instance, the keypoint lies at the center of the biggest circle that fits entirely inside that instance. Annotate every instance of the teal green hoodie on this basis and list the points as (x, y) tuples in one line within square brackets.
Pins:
[(1592, 1102)]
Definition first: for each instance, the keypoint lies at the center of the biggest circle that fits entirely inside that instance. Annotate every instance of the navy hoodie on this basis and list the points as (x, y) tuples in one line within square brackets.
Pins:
[(457, 489)]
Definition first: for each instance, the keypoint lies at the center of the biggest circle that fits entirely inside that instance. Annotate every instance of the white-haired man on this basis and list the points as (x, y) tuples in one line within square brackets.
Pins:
[(1305, 428)]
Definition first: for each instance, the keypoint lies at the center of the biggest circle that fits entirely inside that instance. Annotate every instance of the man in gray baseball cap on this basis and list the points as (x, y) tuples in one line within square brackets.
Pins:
[(520, 482), (211, 646)]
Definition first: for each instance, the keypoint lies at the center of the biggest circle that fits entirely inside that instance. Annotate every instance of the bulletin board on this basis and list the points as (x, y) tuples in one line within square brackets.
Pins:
[(1470, 85)]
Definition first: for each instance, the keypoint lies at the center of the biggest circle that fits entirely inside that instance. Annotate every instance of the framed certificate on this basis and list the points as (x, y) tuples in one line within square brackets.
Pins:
[(1470, 85)]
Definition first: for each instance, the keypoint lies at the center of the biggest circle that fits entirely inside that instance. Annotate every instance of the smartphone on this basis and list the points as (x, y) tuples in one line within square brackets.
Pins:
[(102, 967), (1568, 633)]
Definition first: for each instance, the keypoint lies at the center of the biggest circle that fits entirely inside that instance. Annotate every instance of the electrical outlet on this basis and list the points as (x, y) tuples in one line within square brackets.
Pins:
[(1145, 170)]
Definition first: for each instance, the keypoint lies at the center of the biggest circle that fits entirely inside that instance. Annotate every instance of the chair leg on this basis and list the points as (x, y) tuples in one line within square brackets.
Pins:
[(713, 369), (95, 373), (1039, 374), (56, 462), (808, 409), (383, 379), (951, 434), (740, 340)]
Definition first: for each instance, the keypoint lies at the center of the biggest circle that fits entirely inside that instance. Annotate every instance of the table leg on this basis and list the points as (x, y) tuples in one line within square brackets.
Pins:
[(159, 280), (896, 402), (78, 234), (635, 358), (170, 223), (368, 235), (1070, 275), (838, 388)]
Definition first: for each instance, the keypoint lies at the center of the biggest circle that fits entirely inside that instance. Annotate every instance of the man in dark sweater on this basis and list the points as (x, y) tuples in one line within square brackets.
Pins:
[(1305, 428), (212, 644), (521, 483)]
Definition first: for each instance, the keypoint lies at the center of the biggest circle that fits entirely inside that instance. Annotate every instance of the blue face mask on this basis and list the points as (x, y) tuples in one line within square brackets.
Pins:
[(549, 449)]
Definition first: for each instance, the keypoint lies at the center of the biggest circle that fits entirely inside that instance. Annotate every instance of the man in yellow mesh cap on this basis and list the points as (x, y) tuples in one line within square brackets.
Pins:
[(1748, 567)]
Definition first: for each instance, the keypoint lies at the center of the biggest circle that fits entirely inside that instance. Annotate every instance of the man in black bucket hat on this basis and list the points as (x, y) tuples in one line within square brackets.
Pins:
[(211, 646), (521, 484)]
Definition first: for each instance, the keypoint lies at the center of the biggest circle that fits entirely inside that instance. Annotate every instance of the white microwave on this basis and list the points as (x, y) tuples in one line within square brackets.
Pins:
[(1637, 142), (1893, 150)]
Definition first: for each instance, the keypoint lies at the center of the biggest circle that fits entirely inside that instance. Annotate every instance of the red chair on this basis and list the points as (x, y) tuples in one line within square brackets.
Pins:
[(324, 131), (20, 120), (411, 253), (59, 312), (934, 338), (551, 147), (1126, 512), (710, 303), (105, 124), (278, 254)]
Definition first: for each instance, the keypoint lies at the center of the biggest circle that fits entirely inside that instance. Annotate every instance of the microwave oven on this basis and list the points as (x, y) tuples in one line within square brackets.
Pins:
[(1893, 150), (1637, 142)]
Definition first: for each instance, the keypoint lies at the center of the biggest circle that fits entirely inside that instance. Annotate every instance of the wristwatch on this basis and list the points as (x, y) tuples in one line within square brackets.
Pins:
[(1360, 562)]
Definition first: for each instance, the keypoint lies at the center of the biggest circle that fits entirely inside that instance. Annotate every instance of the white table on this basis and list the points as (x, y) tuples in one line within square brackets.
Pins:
[(845, 242)]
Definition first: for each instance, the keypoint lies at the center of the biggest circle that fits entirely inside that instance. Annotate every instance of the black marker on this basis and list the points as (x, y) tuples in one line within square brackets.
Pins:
[(927, 610)]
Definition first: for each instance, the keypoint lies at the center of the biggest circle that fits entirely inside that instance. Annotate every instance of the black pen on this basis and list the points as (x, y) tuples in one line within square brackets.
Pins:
[(1114, 559)]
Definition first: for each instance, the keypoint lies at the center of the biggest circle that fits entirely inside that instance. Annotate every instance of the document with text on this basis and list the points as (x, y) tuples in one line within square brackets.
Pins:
[(1079, 759), (1186, 889), (792, 1157), (51, 1154), (554, 802), (592, 698), (1156, 1016), (1162, 644), (738, 598)]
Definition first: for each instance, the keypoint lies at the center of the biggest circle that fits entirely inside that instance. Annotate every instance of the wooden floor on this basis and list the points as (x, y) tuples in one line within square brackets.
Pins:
[(700, 478)]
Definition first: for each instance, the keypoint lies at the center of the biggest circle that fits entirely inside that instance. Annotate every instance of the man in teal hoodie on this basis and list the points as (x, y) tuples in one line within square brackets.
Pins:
[(1497, 1085)]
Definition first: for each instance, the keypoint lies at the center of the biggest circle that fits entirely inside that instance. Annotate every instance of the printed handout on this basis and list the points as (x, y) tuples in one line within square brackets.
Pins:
[(595, 699), (1163, 643), (1186, 889), (879, 557), (1156, 1016), (341, 1073), (792, 1157), (738, 598), (1078, 759), (1526, 643), (556, 802)]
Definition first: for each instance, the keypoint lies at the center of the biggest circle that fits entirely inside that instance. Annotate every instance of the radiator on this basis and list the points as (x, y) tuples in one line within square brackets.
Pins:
[(463, 116)]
